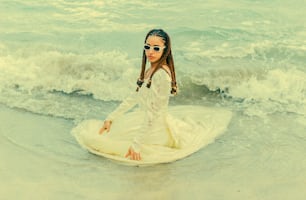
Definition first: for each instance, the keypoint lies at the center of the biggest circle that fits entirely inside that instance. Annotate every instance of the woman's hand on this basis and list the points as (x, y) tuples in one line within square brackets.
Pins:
[(132, 154), (106, 127)]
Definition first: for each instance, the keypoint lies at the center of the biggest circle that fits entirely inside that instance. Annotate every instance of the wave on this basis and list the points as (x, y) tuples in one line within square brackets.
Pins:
[(258, 92), (99, 74), (63, 84), (217, 43)]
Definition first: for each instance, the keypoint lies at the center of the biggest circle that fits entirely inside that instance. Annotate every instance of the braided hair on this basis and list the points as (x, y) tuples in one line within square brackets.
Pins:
[(166, 58)]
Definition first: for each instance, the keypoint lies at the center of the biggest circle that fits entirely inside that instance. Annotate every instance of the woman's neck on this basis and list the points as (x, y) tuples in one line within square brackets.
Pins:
[(154, 65), (151, 69)]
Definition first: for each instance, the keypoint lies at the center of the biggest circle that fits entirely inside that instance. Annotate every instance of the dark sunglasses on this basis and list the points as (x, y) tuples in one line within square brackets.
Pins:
[(155, 48)]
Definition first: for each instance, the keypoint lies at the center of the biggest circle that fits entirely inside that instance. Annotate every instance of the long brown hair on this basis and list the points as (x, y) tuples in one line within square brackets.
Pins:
[(166, 58)]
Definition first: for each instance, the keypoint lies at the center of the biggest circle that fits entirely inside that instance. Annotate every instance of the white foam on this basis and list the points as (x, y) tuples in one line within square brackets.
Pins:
[(284, 86), (99, 74)]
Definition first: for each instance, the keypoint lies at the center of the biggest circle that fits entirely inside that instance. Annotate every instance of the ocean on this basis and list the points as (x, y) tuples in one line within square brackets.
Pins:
[(65, 61)]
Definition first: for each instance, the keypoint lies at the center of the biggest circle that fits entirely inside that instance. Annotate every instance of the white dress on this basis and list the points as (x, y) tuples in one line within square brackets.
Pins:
[(160, 133)]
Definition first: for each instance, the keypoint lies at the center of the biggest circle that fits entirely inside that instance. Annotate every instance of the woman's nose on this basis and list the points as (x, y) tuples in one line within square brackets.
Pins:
[(150, 52)]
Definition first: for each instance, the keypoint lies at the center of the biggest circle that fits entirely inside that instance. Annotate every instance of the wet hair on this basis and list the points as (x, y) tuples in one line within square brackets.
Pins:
[(166, 59)]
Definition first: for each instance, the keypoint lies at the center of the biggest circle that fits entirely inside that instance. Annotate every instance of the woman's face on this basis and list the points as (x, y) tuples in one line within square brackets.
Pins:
[(154, 48)]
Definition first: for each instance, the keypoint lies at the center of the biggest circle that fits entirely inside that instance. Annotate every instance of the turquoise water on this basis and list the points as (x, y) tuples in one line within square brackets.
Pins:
[(64, 61)]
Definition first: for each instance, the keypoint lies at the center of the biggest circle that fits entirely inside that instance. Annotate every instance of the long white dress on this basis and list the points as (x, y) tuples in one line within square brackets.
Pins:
[(160, 133)]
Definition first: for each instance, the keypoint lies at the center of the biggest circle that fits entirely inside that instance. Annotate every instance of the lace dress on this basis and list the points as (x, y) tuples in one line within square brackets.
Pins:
[(160, 133)]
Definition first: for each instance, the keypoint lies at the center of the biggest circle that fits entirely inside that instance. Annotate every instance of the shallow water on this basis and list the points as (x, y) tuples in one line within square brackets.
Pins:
[(257, 162), (65, 61)]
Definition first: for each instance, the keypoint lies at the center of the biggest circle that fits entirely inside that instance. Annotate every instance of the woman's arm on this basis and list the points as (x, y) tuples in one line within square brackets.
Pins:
[(125, 105)]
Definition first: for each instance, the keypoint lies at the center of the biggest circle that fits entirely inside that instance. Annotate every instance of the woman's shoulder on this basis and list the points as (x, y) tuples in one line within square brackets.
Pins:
[(164, 72), (167, 69)]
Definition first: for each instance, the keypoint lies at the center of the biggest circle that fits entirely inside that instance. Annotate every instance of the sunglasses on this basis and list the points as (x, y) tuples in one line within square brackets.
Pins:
[(155, 48)]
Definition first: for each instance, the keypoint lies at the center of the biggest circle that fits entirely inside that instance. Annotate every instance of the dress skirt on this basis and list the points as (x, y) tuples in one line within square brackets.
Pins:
[(183, 131)]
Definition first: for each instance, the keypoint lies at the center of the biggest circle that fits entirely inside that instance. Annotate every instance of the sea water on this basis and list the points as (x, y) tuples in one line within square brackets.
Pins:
[(65, 61)]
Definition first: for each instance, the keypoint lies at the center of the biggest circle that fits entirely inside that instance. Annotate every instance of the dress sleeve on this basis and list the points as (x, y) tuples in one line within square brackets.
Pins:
[(157, 101), (127, 104)]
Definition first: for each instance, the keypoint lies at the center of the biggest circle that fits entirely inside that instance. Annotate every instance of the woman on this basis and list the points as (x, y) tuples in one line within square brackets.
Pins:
[(157, 50), (150, 134)]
